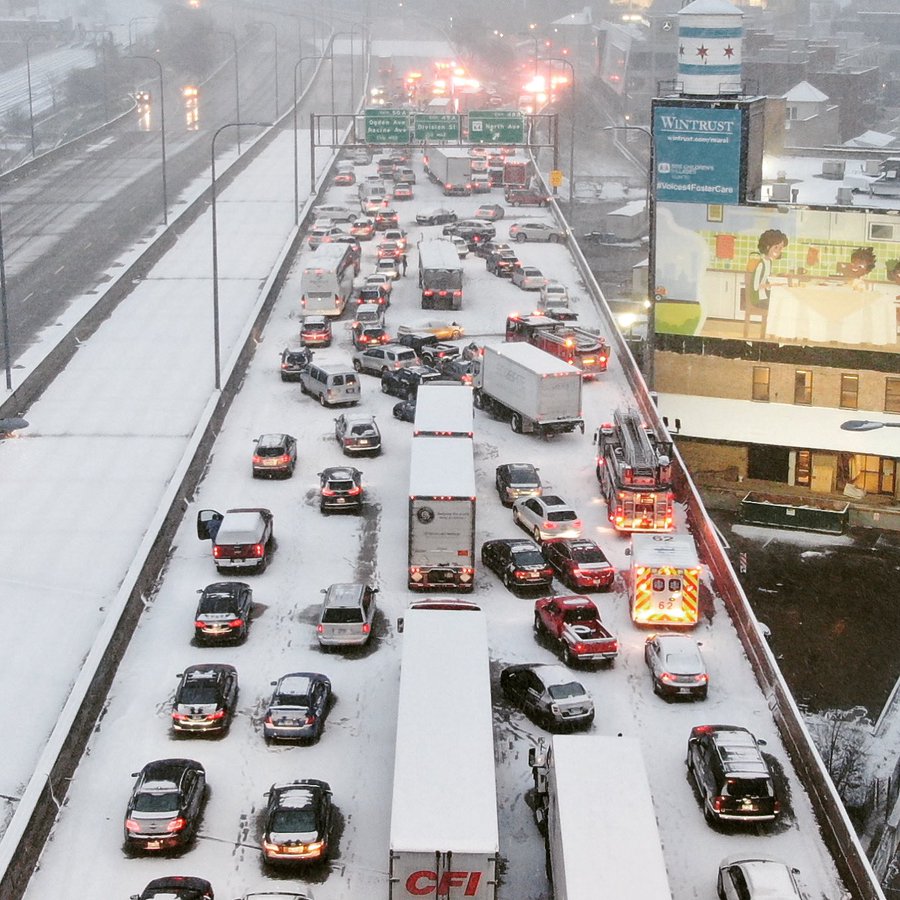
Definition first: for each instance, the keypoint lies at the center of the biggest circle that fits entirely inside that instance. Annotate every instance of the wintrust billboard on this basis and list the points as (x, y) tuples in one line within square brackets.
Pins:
[(697, 153)]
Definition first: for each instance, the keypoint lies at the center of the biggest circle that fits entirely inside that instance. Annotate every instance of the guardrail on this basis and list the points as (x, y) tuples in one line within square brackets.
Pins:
[(42, 799), (837, 830)]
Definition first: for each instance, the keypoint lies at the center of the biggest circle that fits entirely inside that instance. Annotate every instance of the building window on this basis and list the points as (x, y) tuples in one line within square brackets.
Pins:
[(849, 392), (892, 395), (803, 386), (761, 383)]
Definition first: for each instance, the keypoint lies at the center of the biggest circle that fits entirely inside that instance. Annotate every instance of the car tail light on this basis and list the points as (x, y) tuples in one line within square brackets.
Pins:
[(236, 623), (218, 714), (718, 803), (547, 573), (548, 526), (366, 628), (354, 491), (702, 678), (179, 717), (327, 492), (577, 523), (320, 628), (176, 824), (258, 550), (579, 648), (199, 624), (132, 826), (776, 806), (667, 678), (428, 293), (217, 552)]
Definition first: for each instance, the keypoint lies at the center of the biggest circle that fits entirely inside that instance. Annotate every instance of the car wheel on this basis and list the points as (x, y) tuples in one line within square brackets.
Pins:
[(506, 581), (477, 400), (537, 535), (322, 401), (515, 423), (708, 814), (384, 388), (537, 626), (568, 656), (521, 237), (357, 365)]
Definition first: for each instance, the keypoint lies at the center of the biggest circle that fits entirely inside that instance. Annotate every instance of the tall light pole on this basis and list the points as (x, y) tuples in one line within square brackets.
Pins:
[(4, 314), (162, 133), (572, 108), (297, 69), (275, 41), (215, 246), (237, 85), (338, 34), (28, 41)]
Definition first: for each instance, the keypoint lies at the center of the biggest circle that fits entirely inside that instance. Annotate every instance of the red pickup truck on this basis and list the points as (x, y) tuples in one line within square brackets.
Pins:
[(573, 624)]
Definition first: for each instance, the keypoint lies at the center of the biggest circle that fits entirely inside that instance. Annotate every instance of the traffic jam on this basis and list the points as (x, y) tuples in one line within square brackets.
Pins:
[(433, 415)]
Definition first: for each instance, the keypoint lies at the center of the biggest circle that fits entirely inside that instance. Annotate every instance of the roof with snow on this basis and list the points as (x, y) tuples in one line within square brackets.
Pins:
[(875, 139), (804, 92)]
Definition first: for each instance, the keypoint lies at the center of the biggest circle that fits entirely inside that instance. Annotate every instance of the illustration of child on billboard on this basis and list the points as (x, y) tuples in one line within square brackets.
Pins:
[(757, 286)]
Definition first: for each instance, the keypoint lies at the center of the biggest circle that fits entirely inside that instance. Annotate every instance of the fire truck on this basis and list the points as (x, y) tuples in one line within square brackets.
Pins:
[(664, 580), (579, 347), (634, 468)]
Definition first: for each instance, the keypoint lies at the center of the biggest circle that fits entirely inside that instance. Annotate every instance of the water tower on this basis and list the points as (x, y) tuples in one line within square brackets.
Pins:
[(710, 34)]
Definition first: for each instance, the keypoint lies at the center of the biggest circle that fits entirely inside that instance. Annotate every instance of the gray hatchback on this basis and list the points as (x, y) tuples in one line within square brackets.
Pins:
[(345, 619)]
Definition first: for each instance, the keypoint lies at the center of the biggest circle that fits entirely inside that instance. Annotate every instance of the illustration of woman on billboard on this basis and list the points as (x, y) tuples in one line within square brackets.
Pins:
[(757, 287)]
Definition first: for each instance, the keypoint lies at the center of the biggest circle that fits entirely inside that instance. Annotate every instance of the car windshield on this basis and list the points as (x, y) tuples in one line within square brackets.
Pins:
[(748, 787), (588, 555), (529, 558), (565, 691), (293, 821), (157, 802), (342, 615), (193, 694), (561, 515)]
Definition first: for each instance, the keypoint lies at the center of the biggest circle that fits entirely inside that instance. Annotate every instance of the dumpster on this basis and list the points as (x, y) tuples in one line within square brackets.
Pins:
[(827, 516)]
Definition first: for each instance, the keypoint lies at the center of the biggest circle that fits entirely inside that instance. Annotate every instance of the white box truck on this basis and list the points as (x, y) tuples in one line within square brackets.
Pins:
[(533, 390), (441, 514), (444, 836), (593, 803), (451, 167), (440, 275), (444, 410)]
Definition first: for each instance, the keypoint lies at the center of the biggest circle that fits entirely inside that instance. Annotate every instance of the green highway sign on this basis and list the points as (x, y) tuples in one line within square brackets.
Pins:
[(496, 126), (387, 126), (439, 127)]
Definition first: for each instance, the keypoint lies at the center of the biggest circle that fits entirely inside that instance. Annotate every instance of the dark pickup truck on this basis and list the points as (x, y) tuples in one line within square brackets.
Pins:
[(572, 623)]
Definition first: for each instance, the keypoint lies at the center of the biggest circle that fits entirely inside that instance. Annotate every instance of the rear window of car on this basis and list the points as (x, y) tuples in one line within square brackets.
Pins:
[(748, 787), (362, 430), (198, 693), (588, 555), (562, 515), (271, 451), (344, 485), (403, 355), (342, 615), (217, 605), (529, 558), (565, 691)]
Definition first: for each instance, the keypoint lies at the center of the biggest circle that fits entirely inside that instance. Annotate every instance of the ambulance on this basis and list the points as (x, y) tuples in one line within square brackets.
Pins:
[(664, 580)]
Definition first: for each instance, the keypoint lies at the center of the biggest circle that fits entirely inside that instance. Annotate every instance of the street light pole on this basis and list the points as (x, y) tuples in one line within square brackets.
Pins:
[(162, 133), (28, 41), (571, 128), (7, 362), (215, 246), (297, 68), (275, 40), (237, 86)]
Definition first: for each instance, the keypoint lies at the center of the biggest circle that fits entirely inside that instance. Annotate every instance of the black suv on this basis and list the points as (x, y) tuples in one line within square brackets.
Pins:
[(340, 488), (488, 247), (293, 361), (165, 806), (502, 263), (471, 231), (404, 383), (417, 340), (223, 613), (518, 563), (176, 887), (734, 780), (205, 699), (297, 826), (435, 355)]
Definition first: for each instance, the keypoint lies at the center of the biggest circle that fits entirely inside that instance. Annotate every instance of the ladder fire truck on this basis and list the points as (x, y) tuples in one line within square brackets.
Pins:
[(577, 346), (634, 469)]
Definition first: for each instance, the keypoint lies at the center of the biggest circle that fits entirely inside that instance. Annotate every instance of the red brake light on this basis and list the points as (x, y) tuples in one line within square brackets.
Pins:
[(199, 624), (354, 491), (236, 623), (366, 628), (176, 824), (258, 550), (327, 492), (320, 628), (132, 826)]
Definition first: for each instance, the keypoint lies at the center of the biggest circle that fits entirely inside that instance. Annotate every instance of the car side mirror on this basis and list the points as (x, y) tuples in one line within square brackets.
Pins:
[(628, 551), (323, 590), (273, 683)]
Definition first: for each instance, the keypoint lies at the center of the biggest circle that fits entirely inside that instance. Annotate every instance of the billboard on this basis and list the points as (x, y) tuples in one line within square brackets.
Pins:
[(785, 275), (697, 153)]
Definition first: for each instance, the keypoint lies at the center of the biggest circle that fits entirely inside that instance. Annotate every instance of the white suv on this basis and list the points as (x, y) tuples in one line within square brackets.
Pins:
[(377, 360)]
